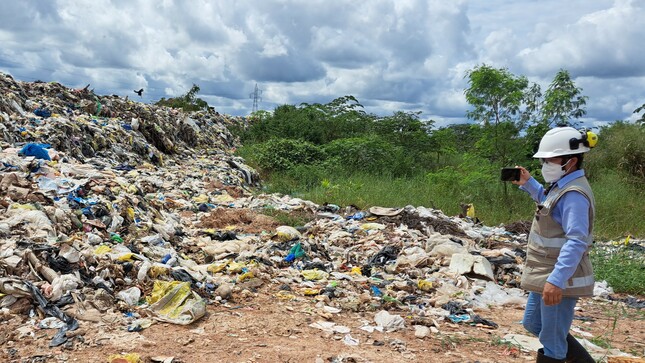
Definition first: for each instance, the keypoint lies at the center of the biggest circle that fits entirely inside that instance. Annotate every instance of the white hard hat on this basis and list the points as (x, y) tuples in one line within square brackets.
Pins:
[(561, 141)]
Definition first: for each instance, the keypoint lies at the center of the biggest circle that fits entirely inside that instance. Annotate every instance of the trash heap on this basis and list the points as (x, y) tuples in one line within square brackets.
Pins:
[(119, 214)]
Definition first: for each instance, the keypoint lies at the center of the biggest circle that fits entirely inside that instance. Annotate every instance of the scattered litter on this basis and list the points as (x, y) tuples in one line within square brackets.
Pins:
[(122, 213)]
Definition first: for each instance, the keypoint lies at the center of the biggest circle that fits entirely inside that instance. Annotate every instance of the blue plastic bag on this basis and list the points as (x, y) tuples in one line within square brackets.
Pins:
[(42, 112), (39, 151)]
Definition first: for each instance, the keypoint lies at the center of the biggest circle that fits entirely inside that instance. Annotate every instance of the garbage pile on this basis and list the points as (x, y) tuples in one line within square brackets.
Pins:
[(101, 130), (123, 214)]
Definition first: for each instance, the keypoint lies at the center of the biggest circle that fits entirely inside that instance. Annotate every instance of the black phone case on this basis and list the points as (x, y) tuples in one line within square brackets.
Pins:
[(510, 174)]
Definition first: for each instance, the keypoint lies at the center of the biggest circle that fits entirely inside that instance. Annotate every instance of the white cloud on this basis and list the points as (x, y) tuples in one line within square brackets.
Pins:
[(392, 55), (600, 44)]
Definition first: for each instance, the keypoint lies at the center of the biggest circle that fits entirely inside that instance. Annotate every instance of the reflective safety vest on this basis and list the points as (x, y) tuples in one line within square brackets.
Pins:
[(547, 238)]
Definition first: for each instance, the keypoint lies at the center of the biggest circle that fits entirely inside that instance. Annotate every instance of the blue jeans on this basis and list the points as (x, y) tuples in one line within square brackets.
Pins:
[(550, 323)]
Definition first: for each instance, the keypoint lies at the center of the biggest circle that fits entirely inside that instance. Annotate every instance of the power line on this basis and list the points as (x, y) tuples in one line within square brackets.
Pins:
[(256, 95)]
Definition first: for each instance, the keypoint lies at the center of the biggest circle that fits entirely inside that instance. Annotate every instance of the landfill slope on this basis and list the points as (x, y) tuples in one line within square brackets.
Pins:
[(125, 225)]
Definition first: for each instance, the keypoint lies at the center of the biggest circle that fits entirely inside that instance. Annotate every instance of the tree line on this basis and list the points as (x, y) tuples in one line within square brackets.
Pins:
[(509, 115)]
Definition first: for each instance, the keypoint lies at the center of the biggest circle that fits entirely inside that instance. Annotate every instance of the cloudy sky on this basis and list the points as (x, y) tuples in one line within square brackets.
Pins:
[(390, 54)]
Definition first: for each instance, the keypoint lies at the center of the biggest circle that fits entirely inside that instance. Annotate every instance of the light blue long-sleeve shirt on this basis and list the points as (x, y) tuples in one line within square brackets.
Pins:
[(572, 213)]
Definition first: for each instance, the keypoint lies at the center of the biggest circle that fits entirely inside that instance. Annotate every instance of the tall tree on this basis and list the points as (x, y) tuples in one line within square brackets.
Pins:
[(496, 96), (563, 101)]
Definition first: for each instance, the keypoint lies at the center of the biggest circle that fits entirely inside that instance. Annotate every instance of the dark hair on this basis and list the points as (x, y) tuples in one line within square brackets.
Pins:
[(580, 159)]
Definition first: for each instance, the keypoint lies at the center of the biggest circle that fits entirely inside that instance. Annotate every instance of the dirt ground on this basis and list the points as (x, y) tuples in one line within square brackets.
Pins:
[(264, 328), (243, 219)]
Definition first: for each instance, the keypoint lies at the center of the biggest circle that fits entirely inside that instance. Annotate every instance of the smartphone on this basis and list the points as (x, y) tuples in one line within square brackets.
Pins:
[(510, 174)]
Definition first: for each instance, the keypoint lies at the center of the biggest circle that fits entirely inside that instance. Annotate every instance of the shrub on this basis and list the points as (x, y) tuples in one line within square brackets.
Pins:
[(622, 267), (367, 154), (284, 154), (187, 102)]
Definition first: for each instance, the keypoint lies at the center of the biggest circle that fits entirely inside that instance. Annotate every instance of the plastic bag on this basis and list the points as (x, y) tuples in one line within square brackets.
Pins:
[(295, 252), (287, 233), (176, 303), (131, 296), (314, 274), (125, 358)]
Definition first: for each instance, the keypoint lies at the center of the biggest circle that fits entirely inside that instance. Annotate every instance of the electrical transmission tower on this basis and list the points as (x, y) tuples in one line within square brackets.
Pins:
[(256, 96)]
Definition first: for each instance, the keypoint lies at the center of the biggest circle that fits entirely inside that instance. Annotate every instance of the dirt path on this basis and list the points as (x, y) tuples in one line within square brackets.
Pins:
[(267, 329)]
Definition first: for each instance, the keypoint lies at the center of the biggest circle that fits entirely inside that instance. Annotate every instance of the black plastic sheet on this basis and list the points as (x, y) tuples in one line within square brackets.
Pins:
[(53, 310)]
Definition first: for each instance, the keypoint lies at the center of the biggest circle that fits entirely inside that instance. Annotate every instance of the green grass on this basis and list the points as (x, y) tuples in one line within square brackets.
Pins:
[(493, 204), (622, 267), (500, 342), (613, 313), (620, 206), (601, 342)]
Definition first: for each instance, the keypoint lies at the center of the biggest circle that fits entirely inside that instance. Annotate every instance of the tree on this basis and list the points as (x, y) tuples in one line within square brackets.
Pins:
[(496, 96), (563, 101), (531, 114), (642, 119), (444, 142)]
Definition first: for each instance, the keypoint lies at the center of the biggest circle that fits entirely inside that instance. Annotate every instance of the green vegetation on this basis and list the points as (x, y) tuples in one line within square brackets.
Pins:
[(337, 153), (187, 102), (623, 268), (612, 313)]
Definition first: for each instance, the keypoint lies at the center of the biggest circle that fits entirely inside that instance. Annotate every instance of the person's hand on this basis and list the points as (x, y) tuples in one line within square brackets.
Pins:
[(552, 295), (524, 176)]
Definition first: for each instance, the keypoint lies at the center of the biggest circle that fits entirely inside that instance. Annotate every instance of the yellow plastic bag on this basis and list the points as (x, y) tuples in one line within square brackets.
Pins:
[(245, 276), (372, 226), (314, 274), (470, 212), (160, 289), (156, 271), (125, 257), (236, 267), (175, 302), (124, 358), (223, 199), (202, 198), (310, 292), (102, 249), (217, 267), (287, 233), (425, 285), (23, 206)]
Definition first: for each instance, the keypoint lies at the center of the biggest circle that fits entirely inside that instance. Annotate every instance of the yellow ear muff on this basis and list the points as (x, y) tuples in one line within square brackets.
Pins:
[(592, 139)]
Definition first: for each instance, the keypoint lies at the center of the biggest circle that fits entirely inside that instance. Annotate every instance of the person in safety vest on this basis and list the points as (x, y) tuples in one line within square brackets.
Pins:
[(558, 270)]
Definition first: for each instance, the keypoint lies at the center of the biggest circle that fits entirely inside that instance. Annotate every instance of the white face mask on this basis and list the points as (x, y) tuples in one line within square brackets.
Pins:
[(553, 172)]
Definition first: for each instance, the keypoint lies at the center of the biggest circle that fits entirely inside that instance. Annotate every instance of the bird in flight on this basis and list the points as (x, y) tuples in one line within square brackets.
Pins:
[(139, 92)]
